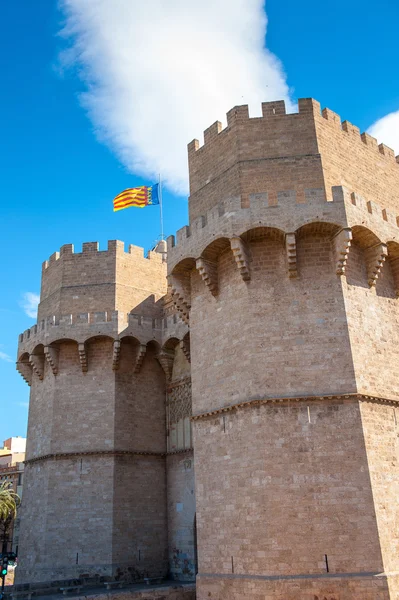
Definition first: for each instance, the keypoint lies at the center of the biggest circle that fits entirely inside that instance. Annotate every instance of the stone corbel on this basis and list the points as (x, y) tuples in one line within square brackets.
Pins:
[(209, 274), (395, 273), (37, 363), (342, 244), (290, 247), (25, 370), (375, 258), (140, 354), (181, 305), (83, 357), (165, 359), (185, 346), (52, 355), (241, 256), (116, 355), (181, 297)]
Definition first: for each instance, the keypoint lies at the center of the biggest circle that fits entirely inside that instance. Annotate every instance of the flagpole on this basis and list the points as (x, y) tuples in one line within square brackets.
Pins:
[(160, 204)]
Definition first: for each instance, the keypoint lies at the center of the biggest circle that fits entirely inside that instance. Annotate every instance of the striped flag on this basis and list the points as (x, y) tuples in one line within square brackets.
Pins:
[(139, 197)]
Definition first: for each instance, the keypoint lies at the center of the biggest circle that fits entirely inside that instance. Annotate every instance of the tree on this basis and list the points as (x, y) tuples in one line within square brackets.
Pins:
[(9, 503)]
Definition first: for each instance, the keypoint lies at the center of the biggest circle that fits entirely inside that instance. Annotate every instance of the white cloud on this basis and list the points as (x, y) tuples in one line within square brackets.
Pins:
[(30, 303), (386, 130), (158, 73), (6, 357)]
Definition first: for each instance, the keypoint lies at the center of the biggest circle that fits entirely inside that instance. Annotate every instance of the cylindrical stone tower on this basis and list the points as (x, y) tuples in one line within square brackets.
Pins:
[(95, 495), (289, 275)]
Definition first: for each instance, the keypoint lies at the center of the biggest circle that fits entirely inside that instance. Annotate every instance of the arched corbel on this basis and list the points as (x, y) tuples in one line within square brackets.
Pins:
[(116, 354), (25, 370), (185, 346), (209, 274), (180, 292), (290, 247), (83, 357), (166, 359), (140, 354), (375, 258), (241, 256), (342, 243), (36, 361), (52, 355), (395, 274)]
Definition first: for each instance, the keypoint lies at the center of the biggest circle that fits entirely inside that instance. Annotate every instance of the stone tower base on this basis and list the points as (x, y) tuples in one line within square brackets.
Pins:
[(350, 586)]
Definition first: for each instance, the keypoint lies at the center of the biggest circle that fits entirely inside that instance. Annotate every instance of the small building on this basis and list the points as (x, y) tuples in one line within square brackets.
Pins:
[(12, 456)]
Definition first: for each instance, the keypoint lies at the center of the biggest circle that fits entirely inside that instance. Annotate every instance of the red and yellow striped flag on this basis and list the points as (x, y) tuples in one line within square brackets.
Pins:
[(140, 197), (131, 197)]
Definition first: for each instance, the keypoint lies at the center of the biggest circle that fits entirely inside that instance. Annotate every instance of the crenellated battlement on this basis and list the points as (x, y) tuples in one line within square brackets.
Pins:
[(348, 218), (82, 326), (41, 342), (285, 210), (311, 148), (273, 111), (115, 247), (97, 280)]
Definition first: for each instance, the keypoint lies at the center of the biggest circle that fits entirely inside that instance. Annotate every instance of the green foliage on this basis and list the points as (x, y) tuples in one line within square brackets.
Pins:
[(9, 502)]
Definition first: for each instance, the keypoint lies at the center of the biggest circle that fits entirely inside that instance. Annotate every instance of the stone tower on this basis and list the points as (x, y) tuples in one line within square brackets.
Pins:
[(283, 295), (109, 453), (289, 276)]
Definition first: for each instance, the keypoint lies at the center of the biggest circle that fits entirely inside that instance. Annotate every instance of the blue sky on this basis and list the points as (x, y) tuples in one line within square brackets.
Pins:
[(64, 157)]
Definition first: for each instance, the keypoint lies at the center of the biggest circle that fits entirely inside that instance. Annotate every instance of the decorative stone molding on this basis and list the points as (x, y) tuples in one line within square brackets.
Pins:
[(52, 355), (141, 350), (209, 274), (289, 401), (375, 258), (241, 255), (342, 243), (135, 453), (83, 357), (116, 355), (179, 401), (66, 455), (37, 363), (290, 246)]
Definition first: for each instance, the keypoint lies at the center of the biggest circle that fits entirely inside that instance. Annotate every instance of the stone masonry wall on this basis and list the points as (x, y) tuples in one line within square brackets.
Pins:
[(181, 517), (180, 471), (356, 161), (139, 410), (289, 277), (373, 318), (276, 323), (302, 295), (140, 282), (70, 535), (308, 149), (381, 429), (184, 591), (367, 587), (96, 280), (84, 403), (97, 431), (280, 487), (271, 153), (139, 539)]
